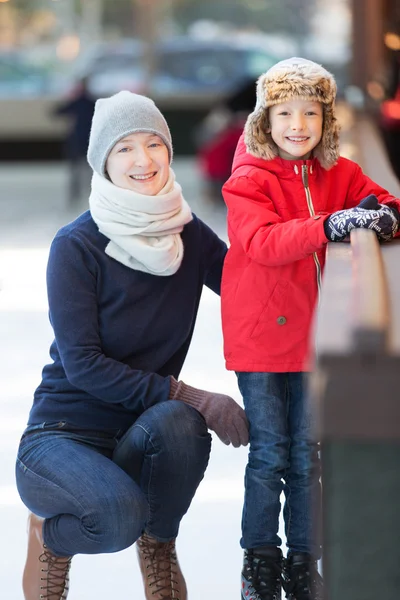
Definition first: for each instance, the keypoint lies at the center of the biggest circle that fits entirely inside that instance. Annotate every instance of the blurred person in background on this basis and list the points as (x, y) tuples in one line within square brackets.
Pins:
[(116, 445), (289, 194), (218, 135), (79, 110)]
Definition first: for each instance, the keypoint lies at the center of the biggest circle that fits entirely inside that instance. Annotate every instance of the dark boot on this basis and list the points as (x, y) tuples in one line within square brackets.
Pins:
[(45, 575), (261, 574), (162, 575), (301, 579)]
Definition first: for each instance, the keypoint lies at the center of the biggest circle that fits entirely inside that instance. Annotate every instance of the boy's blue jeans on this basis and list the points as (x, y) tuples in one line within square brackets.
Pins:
[(98, 491), (283, 456)]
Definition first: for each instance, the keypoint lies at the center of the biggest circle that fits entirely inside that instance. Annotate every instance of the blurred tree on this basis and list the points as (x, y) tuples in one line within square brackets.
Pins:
[(90, 18), (91, 22), (25, 5), (266, 15), (233, 11), (121, 14)]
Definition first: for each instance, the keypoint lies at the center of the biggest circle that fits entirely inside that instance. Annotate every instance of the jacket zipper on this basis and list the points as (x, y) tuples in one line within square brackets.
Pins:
[(304, 176)]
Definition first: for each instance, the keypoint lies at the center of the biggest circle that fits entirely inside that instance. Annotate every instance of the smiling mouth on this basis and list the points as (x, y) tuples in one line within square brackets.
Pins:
[(143, 177), (297, 140)]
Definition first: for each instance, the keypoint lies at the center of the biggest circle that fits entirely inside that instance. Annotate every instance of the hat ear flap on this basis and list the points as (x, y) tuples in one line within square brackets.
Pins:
[(327, 151), (257, 135)]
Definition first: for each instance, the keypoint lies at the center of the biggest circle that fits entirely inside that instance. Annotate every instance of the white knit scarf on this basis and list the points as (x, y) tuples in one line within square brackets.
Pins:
[(144, 231)]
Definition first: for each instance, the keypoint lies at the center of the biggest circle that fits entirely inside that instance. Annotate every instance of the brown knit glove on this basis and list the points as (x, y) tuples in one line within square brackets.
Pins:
[(221, 413)]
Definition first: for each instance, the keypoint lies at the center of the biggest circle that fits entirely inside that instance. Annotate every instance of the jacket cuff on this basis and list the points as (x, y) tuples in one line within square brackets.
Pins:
[(316, 233)]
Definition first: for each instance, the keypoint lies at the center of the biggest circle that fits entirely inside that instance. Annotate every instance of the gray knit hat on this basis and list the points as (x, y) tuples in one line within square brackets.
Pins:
[(118, 116), (290, 78)]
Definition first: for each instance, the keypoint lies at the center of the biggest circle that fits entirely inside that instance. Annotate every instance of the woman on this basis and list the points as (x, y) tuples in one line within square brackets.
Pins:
[(115, 445)]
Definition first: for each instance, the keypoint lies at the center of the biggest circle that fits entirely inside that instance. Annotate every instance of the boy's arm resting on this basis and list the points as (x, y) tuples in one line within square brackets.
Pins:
[(362, 186), (214, 251), (71, 285), (262, 233)]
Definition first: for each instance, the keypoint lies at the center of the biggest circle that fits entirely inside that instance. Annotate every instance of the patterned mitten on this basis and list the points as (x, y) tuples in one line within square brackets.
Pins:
[(369, 214), (371, 202), (384, 221), (388, 222), (221, 413), (339, 224)]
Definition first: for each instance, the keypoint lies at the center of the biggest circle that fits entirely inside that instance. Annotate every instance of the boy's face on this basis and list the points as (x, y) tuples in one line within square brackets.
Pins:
[(139, 162), (296, 127)]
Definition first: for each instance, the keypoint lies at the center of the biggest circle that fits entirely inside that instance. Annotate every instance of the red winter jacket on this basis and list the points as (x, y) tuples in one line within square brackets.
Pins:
[(273, 268)]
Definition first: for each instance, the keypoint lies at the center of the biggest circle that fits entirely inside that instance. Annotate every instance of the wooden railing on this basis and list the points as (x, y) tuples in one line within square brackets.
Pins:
[(356, 387)]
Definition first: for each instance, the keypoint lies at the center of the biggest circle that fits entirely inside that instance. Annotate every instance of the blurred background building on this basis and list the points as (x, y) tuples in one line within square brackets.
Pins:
[(188, 55)]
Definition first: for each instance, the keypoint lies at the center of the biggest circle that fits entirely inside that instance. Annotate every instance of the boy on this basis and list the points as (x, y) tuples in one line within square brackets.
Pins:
[(289, 193)]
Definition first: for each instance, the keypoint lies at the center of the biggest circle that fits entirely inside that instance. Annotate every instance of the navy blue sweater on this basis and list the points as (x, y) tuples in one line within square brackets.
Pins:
[(119, 333)]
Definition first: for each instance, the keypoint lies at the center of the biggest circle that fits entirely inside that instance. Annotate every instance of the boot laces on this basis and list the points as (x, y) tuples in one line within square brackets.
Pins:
[(56, 582), (161, 563), (265, 576), (304, 582)]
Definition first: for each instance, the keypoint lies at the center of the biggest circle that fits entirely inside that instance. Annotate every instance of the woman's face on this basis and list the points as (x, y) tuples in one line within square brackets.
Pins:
[(139, 162)]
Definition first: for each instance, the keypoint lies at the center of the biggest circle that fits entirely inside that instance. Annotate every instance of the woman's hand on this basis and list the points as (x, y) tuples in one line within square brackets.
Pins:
[(221, 413)]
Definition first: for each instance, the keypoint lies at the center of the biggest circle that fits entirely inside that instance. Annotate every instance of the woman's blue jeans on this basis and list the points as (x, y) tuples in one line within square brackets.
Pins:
[(283, 456), (98, 491)]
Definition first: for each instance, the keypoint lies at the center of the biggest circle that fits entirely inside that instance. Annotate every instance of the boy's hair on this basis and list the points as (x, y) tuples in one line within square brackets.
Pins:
[(289, 79)]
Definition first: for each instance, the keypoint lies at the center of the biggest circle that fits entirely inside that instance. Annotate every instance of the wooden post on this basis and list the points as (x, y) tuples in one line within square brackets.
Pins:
[(368, 45)]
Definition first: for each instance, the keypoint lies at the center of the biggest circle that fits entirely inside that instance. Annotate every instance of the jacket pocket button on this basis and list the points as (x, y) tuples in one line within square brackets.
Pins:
[(281, 320)]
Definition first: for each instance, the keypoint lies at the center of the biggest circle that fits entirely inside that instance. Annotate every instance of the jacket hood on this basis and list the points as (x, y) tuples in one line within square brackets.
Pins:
[(276, 165), (288, 79)]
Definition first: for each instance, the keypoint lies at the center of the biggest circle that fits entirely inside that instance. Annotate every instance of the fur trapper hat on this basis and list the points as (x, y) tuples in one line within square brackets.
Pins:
[(288, 79)]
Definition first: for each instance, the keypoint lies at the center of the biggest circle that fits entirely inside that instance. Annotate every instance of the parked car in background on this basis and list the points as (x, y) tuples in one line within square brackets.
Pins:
[(184, 69), (19, 78), (112, 66), (204, 68)]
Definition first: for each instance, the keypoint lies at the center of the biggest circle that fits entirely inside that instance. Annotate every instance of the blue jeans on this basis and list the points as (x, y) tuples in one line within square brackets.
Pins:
[(283, 456), (98, 491)]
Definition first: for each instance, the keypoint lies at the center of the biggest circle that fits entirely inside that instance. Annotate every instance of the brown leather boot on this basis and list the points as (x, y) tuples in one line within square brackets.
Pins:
[(45, 575), (162, 575)]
